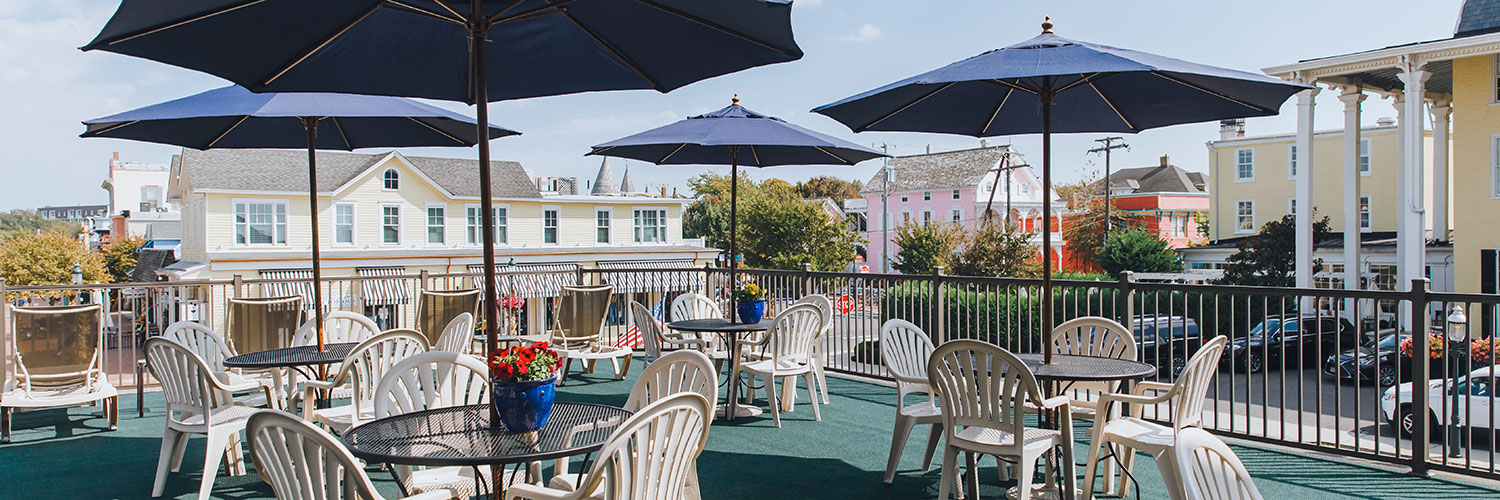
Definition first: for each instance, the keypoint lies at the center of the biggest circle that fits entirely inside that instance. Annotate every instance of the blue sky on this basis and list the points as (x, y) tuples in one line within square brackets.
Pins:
[(851, 45)]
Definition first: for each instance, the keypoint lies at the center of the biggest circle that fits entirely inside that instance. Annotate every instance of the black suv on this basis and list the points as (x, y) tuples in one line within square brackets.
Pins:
[(1166, 341), (1376, 362), (1274, 338)]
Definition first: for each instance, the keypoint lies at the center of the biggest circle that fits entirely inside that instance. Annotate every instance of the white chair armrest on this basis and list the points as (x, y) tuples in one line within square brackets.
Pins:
[(1143, 387), (687, 343), (535, 492), (1056, 402)]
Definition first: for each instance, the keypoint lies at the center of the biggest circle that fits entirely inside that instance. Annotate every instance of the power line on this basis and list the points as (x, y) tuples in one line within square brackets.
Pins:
[(1107, 145)]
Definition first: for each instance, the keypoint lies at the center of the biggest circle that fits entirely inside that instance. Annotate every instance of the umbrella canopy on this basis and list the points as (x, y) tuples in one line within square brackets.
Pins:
[(1053, 84), (446, 49), (233, 117), (732, 136)]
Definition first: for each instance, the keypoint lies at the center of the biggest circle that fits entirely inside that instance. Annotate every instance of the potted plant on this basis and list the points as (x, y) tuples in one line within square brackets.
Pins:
[(524, 381), (750, 303), (511, 304)]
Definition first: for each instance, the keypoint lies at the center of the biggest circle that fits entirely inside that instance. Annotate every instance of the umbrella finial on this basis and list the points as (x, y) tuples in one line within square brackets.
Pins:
[(735, 101), (1047, 24)]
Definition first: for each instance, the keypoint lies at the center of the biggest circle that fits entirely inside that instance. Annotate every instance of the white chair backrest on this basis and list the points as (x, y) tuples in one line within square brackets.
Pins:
[(646, 324), (1209, 470), (694, 306), (301, 462), (1094, 336), (905, 349), (824, 305), (339, 327), (678, 371), (649, 456), (368, 363), (202, 340), (793, 332), (183, 377), (1192, 384), (432, 380), (980, 384), (458, 336)]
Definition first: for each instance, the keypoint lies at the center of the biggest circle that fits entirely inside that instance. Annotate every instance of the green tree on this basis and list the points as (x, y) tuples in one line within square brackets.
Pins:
[(120, 257), (1137, 249), (29, 222), (1268, 257), (776, 228), (997, 250), (925, 246), (825, 186), (48, 259)]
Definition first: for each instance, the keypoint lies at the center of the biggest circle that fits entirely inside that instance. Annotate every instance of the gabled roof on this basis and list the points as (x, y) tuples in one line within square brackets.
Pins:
[(938, 170), (1158, 179), (272, 170)]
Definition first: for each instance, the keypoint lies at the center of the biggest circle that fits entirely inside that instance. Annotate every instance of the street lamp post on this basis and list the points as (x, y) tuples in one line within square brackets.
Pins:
[(78, 280), (1457, 335)]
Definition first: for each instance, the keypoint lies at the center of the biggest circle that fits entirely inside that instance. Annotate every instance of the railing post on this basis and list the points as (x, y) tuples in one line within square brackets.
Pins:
[(237, 286), (939, 306), (1125, 299), (5, 343), (806, 280), (1422, 365), (422, 277), (578, 275)]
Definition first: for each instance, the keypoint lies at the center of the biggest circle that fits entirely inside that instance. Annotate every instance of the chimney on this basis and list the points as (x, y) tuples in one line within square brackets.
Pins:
[(1231, 129), (984, 143), (674, 193), (1165, 160), (663, 190)]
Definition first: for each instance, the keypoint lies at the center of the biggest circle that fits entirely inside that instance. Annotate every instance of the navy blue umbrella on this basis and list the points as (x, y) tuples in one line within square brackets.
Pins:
[(232, 117), (1052, 84), (734, 136), (474, 51)]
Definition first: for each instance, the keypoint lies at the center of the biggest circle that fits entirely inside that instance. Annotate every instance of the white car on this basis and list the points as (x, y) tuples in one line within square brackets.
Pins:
[(1475, 403)]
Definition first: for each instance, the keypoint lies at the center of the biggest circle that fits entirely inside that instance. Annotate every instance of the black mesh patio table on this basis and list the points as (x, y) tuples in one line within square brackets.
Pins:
[(731, 332), (291, 357), (462, 436), (1075, 368)]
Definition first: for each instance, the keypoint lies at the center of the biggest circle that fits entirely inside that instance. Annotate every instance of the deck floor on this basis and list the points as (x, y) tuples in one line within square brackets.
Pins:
[(69, 454)]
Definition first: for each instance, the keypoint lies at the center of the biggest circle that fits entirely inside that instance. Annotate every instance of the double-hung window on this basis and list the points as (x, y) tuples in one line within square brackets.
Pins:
[(549, 226), (1291, 163), (259, 223), (1244, 216), (1244, 165), (926, 217), (1364, 213), (650, 225), (957, 216), (1364, 157), (474, 224), (437, 224), (927, 196), (343, 223), (390, 224), (1495, 166), (602, 218), (955, 194)]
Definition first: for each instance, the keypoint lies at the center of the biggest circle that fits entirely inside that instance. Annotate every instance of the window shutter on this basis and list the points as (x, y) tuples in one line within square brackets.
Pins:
[(1489, 259)]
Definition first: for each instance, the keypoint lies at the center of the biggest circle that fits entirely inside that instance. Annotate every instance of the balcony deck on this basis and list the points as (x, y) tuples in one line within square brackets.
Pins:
[(69, 454)]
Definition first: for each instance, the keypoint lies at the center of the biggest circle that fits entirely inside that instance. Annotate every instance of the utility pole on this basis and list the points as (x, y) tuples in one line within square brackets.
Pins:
[(885, 209), (1003, 169), (1108, 144)]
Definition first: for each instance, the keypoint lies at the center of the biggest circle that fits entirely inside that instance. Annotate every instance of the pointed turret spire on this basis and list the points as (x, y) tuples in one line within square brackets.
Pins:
[(626, 186), (604, 183)]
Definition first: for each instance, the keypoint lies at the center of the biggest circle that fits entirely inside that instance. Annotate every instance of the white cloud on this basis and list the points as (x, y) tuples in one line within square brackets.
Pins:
[(866, 33)]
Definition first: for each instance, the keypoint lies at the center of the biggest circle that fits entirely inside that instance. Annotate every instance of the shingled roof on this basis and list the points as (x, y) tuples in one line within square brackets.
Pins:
[(1158, 179), (949, 169), (1478, 17), (286, 171)]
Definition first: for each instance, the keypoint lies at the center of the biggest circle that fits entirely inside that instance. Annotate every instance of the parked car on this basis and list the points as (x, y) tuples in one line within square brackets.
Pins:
[(1274, 338), (1381, 362), (1166, 341), (1474, 403)]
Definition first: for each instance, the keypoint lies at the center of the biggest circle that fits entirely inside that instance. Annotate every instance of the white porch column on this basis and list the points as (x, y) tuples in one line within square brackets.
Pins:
[(1411, 234), (1441, 113), (1353, 98), (1304, 240)]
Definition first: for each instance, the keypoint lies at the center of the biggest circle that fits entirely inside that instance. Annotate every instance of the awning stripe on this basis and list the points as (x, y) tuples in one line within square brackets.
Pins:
[(300, 284), (379, 292), (531, 280), (652, 281)]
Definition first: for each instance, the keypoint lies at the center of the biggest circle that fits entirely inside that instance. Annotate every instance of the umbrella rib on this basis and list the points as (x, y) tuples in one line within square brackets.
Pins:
[(669, 155), (903, 108), (830, 153), (1014, 86), (1112, 107), (322, 44), (755, 156), (149, 31), (497, 14), (1003, 100), (612, 50), (714, 26), (600, 150), (406, 7), (435, 129), (1082, 79), (496, 19), (340, 127), (226, 132), (1199, 88), (111, 128)]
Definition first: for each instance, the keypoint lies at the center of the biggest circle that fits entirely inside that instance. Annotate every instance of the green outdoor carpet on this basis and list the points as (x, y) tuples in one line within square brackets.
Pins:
[(68, 454)]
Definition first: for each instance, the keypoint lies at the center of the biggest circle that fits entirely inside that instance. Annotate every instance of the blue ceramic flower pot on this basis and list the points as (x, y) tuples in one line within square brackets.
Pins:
[(751, 311), (524, 406)]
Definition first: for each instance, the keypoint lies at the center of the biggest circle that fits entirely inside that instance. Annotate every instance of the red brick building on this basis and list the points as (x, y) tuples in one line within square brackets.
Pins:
[(1165, 199)]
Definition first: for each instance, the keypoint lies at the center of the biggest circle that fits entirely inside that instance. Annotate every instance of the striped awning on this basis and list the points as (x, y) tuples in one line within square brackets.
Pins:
[(531, 280), (652, 281), (381, 292), (301, 287)]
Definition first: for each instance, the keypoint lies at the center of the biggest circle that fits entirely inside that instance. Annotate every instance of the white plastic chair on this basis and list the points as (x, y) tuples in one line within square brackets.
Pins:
[(984, 392), (905, 348), (426, 381), (820, 358), (339, 327), (196, 404), (302, 462), (56, 362), (647, 458), (360, 372), (696, 306), (652, 336), (788, 354), (1210, 470), (1126, 434), (212, 348), (458, 336)]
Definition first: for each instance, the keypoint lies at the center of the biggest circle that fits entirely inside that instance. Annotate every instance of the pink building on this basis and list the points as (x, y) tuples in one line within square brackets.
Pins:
[(951, 187)]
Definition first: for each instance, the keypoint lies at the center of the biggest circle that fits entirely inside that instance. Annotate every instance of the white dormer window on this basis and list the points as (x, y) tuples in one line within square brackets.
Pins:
[(927, 196), (1025, 188), (392, 179)]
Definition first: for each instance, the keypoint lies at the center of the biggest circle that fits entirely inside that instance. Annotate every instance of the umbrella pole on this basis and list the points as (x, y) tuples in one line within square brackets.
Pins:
[(311, 125), (1046, 98), (478, 29), (734, 196)]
